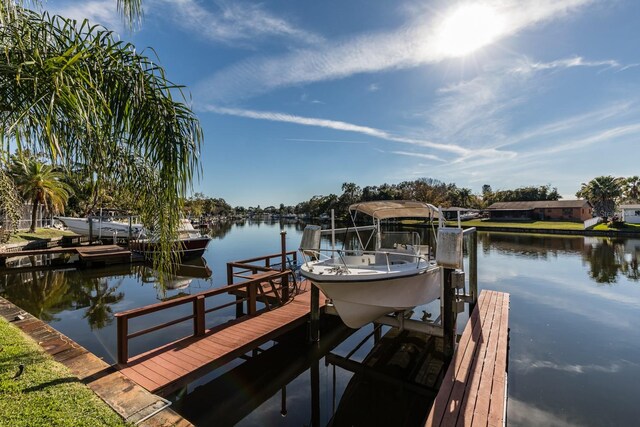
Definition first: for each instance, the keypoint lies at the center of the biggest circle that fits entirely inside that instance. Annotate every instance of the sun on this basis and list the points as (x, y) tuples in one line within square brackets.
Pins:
[(469, 28)]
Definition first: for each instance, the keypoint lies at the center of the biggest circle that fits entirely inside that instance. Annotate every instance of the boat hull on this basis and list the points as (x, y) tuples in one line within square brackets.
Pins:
[(359, 301), (187, 249)]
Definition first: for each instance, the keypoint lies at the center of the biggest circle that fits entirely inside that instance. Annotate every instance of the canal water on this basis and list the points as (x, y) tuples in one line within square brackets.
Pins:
[(574, 343)]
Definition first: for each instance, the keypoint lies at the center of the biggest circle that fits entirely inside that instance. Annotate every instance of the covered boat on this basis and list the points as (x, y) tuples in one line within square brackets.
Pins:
[(396, 275)]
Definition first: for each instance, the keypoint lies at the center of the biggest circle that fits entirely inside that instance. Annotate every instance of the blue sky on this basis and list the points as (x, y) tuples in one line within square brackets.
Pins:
[(297, 97)]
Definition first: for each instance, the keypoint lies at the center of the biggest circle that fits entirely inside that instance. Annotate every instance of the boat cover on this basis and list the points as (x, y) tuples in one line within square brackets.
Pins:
[(385, 209)]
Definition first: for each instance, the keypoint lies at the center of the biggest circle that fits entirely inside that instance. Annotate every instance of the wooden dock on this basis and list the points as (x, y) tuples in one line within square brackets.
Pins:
[(172, 366), (88, 254), (135, 404), (474, 388)]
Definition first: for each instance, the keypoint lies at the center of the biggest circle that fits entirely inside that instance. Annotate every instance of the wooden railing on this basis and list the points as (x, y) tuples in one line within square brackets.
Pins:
[(240, 269), (199, 311)]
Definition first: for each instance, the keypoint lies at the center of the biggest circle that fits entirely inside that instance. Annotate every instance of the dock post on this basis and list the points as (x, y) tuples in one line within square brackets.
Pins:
[(314, 315), (123, 342), (285, 279), (449, 314), (473, 270), (314, 370), (90, 219), (198, 316)]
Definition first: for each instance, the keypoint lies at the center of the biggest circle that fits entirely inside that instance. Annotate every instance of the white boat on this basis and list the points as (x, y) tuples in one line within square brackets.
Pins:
[(364, 285), (190, 243), (101, 227)]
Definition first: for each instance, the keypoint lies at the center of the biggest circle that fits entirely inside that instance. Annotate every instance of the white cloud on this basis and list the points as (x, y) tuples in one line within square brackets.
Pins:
[(373, 87), (103, 12), (418, 155), (526, 66), (411, 45), (346, 127), (232, 22)]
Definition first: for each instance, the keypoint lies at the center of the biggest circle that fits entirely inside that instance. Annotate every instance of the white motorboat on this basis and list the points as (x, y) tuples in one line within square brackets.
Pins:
[(101, 227), (364, 285), (189, 245)]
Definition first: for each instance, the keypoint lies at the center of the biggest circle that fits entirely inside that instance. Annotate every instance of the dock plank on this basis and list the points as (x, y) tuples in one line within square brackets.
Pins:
[(169, 367), (473, 391)]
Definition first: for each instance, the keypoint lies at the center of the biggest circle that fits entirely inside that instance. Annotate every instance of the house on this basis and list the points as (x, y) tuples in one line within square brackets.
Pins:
[(630, 213), (560, 210)]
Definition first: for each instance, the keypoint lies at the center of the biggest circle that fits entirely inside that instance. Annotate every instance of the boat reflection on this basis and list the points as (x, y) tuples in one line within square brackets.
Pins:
[(397, 381), (227, 399)]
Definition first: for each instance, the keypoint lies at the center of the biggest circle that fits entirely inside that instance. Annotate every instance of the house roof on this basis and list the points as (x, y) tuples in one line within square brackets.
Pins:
[(542, 204), (630, 206)]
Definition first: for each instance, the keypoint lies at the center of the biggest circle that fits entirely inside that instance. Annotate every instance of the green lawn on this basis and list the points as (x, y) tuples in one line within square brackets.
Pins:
[(546, 225), (46, 394), (623, 227), (41, 233)]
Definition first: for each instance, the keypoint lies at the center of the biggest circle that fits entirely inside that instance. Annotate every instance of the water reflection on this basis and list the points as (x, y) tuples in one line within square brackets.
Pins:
[(96, 292), (607, 258)]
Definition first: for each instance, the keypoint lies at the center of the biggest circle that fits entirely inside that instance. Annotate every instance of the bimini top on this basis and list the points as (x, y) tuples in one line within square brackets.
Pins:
[(385, 209)]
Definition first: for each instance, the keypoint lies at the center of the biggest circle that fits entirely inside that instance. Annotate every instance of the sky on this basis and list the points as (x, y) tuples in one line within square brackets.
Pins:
[(298, 97)]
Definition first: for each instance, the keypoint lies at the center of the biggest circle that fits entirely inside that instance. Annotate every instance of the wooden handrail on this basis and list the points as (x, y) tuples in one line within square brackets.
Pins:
[(198, 311), (264, 257)]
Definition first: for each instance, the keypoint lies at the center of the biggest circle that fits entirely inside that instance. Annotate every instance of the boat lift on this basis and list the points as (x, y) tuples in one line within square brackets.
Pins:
[(454, 292)]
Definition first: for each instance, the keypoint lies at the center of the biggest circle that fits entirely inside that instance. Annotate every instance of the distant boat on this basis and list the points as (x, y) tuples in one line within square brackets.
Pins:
[(101, 227), (190, 243), (364, 285)]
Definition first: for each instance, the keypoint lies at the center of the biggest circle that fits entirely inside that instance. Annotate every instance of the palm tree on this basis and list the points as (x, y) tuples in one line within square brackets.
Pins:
[(79, 94), (631, 189), (602, 192), (41, 184)]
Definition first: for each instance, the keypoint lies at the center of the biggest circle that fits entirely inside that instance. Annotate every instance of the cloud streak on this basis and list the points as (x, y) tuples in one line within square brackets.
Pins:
[(459, 151), (232, 22)]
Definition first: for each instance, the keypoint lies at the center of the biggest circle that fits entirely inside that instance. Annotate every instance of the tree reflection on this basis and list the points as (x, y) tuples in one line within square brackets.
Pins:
[(609, 257), (98, 297), (41, 293), (45, 293)]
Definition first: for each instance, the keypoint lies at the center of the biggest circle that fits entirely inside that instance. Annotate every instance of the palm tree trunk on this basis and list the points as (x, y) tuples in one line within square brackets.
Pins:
[(34, 213)]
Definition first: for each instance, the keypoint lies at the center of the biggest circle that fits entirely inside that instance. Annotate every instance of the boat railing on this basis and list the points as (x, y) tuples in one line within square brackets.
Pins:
[(367, 259)]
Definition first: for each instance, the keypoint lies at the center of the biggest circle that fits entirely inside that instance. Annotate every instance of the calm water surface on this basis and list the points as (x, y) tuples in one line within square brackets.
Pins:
[(574, 349)]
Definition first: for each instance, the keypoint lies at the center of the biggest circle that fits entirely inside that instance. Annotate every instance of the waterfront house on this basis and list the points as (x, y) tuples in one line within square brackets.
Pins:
[(559, 210), (630, 213)]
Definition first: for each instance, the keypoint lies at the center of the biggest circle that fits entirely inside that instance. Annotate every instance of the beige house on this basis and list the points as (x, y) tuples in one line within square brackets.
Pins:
[(559, 210)]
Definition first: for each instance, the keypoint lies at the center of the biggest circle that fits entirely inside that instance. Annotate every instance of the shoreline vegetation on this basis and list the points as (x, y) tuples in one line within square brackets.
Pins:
[(45, 393), (555, 227)]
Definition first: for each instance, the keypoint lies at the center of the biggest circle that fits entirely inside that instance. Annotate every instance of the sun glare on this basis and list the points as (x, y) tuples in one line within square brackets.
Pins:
[(468, 28)]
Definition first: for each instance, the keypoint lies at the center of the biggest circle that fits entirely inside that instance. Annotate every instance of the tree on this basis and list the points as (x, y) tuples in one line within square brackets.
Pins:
[(602, 192), (41, 184), (631, 189), (89, 100)]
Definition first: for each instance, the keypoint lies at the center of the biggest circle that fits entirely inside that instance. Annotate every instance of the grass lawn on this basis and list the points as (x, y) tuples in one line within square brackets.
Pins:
[(623, 227), (41, 233), (46, 394), (546, 225)]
